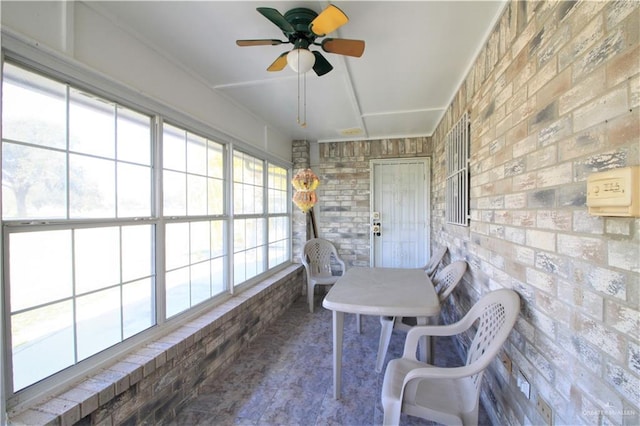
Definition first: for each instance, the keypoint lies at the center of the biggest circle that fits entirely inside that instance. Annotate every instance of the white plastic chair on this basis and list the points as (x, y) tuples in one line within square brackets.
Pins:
[(432, 265), (444, 282), (449, 395), (316, 258)]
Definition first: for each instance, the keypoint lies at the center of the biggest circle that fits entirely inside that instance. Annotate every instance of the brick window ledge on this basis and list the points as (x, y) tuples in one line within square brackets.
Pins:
[(150, 384)]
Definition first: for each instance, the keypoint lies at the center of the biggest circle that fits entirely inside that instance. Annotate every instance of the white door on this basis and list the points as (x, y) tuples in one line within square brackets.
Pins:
[(400, 212)]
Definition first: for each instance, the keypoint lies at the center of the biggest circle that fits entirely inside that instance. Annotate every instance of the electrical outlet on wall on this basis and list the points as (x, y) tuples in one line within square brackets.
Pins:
[(523, 384), (545, 411)]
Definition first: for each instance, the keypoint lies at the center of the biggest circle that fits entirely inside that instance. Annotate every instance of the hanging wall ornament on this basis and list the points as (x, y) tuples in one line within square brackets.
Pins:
[(305, 182)]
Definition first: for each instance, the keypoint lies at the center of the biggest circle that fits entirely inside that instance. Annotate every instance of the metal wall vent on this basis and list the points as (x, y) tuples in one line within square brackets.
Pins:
[(351, 132)]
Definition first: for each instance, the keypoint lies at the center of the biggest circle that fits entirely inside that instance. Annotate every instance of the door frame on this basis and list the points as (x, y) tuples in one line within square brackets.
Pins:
[(427, 164)]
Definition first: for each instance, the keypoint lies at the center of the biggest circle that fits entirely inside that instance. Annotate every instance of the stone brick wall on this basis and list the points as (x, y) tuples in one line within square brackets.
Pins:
[(344, 192), (149, 385), (301, 224), (554, 96)]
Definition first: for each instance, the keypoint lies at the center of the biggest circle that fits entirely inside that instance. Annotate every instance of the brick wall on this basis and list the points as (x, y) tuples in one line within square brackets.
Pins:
[(343, 195), (554, 96), (301, 223), (151, 384)]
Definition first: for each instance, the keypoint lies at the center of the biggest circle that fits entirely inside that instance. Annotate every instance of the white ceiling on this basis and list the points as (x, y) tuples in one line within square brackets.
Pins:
[(417, 54)]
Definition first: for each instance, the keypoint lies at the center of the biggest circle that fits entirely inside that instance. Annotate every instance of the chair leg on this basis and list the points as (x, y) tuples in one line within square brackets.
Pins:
[(386, 328), (310, 297), (358, 324), (392, 413)]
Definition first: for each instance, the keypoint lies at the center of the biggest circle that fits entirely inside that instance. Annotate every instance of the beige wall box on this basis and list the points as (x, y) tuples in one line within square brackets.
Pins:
[(614, 192)]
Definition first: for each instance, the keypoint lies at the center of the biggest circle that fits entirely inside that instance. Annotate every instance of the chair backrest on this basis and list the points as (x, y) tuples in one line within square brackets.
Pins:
[(437, 256), (448, 278), (317, 256), (495, 315)]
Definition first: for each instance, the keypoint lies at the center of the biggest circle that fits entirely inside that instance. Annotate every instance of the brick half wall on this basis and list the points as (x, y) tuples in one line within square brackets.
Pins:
[(149, 385)]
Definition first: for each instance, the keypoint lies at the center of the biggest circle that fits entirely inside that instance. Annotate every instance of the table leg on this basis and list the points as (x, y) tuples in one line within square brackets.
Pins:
[(338, 332), (425, 346)]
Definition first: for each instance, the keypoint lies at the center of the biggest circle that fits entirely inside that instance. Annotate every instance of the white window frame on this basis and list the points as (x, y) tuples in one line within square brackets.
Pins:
[(457, 151), (57, 67)]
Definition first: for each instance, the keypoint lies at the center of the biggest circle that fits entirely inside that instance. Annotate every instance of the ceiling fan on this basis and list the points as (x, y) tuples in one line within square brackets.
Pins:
[(301, 27)]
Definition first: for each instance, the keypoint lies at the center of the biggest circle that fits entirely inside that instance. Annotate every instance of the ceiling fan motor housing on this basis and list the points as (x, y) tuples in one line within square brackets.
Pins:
[(300, 18)]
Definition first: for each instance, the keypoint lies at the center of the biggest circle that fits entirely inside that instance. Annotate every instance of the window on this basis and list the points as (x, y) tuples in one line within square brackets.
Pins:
[(457, 158), (95, 251), (75, 169), (193, 183), (260, 233), (278, 197)]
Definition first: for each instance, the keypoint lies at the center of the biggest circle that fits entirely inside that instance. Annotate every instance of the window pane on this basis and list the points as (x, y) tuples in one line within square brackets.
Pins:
[(98, 322), (34, 108), (48, 331), (277, 228), (197, 194), (248, 184), (239, 267), (278, 185), (91, 125), (215, 157), (256, 167), (137, 307), (200, 241), (134, 137), (33, 183), (40, 266), (215, 190), (173, 148), (91, 187), (258, 199), (253, 259), (196, 155), (218, 275), (249, 249), (217, 238), (278, 253), (137, 252), (97, 258), (178, 297), (177, 245), (134, 190), (175, 193), (239, 235), (238, 199), (278, 240), (200, 282)]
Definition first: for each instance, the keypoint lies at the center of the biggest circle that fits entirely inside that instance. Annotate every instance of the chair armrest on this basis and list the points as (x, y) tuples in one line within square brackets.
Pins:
[(416, 332), (440, 373)]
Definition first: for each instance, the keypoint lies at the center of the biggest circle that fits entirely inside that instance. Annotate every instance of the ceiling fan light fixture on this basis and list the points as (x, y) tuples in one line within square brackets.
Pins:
[(301, 60)]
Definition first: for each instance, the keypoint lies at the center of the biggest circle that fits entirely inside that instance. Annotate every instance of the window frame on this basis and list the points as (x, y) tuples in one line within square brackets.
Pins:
[(53, 66), (457, 186)]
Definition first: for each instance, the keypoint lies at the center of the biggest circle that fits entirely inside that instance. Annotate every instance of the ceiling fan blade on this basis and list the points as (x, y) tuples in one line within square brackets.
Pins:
[(264, 42), (279, 64), (322, 66), (343, 46), (329, 20), (276, 17)]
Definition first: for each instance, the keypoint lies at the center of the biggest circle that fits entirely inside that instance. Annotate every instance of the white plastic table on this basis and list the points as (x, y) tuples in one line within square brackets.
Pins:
[(381, 292)]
